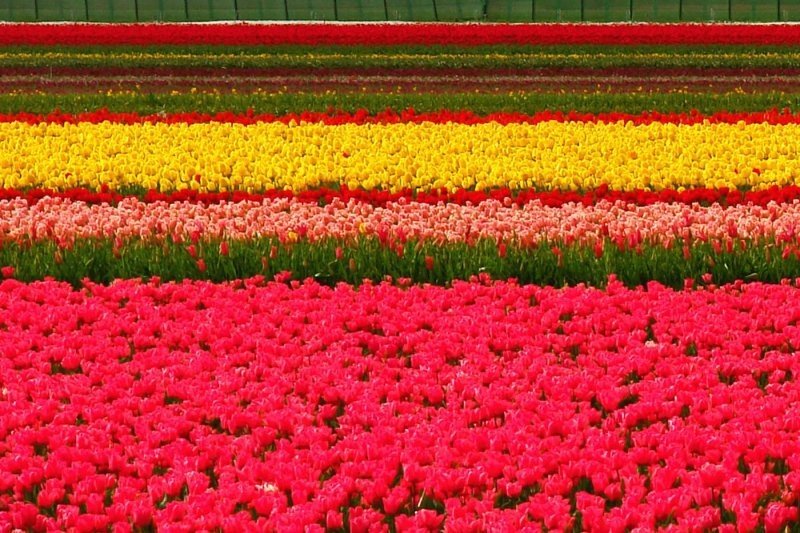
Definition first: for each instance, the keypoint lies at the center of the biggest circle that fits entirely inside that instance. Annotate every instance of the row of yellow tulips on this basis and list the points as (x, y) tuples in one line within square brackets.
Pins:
[(264, 156)]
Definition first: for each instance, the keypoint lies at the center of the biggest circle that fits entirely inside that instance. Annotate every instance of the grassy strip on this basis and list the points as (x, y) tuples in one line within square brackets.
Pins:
[(494, 57), (481, 104), (367, 258)]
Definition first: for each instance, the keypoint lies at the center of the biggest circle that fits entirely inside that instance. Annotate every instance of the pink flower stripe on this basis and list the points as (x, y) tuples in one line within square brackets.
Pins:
[(398, 34), (362, 116), (485, 406), (626, 224)]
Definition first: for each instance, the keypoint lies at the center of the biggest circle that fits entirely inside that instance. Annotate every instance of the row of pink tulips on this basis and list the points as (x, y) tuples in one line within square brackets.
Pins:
[(268, 406), (626, 224)]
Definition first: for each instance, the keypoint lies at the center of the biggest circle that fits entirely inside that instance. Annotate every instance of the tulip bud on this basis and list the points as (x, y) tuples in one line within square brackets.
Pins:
[(598, 249)]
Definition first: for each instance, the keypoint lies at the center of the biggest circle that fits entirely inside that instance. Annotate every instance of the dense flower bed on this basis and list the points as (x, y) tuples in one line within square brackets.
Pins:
[(410, 116), (546, 155), (628, 224), (574, 243), (325, 195), (498, 405), (544, 277), (398, 34)]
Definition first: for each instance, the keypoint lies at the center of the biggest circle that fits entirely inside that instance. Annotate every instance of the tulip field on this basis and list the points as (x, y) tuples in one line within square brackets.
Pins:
[(400, 277)]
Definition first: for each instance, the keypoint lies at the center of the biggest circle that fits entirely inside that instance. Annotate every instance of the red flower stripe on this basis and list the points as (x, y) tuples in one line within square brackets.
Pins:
[(389, 116), (397, 34), (379, 198)]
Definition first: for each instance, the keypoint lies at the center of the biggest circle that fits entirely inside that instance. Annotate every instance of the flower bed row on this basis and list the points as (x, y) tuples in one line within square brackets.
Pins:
[(422, 156), (333, 117), (398, 34), (354, 260), (625, 224), (256, 406), (445, 80), (494, 69), (211, 60), (574, 243), (432, 87), (282, 102), (324, 195)]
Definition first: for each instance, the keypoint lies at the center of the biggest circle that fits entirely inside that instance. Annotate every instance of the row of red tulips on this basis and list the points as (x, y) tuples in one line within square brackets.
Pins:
[(399, 34), (325, 196), (390, 116)]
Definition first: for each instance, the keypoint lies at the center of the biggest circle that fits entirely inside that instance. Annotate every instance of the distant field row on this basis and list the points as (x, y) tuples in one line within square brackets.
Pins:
[(402, 10)]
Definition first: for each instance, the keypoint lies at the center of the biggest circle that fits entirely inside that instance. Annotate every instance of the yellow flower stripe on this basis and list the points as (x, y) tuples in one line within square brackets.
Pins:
[(551, 155)]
